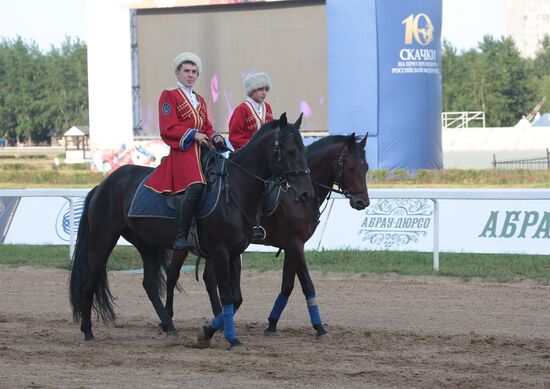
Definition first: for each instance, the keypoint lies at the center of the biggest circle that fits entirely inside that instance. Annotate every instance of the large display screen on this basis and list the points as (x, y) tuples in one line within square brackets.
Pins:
[(287, 40)]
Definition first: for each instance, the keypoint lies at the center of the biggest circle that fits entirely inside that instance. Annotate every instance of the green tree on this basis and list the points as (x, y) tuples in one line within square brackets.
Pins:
[(506, 92), (541, 71), (41, 93), (21, 89), (541, 63), (493, 78), (67, 84), (461, 86)]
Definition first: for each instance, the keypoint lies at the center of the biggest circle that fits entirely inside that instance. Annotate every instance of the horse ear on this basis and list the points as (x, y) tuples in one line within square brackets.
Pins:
[(299, 121), (283, 120), (364, 141), (350, 141)]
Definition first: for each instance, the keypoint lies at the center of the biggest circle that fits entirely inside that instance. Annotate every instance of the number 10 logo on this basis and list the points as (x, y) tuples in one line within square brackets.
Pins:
[(420, 28)]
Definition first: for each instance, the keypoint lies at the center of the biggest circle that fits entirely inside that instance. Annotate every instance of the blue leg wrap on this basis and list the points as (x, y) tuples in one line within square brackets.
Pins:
[(278, 307), (228, 327), (313, 309), (217, 322)]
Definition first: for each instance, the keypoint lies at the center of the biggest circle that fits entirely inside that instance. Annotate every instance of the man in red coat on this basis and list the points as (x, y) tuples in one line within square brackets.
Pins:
[(184, 126), (249, 116)]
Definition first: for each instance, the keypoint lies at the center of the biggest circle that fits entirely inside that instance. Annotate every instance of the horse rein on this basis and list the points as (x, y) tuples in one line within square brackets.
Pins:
[(339, 175), (280, 179), (277, 158)]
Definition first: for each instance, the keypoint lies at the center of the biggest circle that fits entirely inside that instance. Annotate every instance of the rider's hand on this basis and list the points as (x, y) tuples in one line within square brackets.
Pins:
[(202, 139)]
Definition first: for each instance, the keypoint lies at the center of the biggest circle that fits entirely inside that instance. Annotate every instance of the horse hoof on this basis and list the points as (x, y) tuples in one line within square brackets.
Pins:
[(271, 328), (88, 337), (204, 334), (234, 344), (168, 328), (321, 332)]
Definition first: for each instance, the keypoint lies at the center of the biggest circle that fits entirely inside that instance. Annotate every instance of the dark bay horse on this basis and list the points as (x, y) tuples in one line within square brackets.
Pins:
[(336, 160), (276, 150)]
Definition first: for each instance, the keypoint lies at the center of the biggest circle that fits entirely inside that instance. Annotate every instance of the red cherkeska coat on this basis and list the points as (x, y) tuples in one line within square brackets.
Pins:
[(245, 122), (179, 122)]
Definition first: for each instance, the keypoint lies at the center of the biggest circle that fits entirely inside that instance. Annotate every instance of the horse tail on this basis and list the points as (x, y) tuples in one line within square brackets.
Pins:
[(164, 261), (80, 274), (166, 258)]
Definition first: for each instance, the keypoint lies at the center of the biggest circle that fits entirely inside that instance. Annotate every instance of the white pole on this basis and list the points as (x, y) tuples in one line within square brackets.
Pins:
[(436, 235), (326, 222), (71, 227)]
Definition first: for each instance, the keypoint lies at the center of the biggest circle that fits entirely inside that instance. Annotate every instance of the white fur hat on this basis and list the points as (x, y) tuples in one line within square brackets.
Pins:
[(187, 56), (256, 81)]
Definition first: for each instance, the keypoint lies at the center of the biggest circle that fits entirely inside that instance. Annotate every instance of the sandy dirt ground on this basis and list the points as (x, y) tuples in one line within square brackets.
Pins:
[(385, 332)]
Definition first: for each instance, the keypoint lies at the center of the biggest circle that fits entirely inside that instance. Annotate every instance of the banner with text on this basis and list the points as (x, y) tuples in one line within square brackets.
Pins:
[(409, 84), (470, 226)]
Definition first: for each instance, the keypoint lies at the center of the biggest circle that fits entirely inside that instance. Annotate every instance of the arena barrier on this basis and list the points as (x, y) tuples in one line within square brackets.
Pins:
[(7, 213), (541, 163), (424, 219)]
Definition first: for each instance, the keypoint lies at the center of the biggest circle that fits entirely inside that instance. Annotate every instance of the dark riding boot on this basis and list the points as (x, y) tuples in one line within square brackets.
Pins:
[(184, 214)]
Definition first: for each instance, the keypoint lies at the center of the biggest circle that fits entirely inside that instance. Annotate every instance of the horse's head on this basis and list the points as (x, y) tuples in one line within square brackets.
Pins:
[(351, 173), (289, 163)]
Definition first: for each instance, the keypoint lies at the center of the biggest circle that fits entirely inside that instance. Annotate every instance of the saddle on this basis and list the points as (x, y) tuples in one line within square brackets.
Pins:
[(148, 203)]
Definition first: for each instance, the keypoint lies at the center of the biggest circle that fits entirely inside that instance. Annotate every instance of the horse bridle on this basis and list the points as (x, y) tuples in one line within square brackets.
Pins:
[(340, 175), (280, 174), (279, 178)]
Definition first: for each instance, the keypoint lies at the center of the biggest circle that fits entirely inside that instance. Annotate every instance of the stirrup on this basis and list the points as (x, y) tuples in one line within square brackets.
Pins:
[(258, 233)]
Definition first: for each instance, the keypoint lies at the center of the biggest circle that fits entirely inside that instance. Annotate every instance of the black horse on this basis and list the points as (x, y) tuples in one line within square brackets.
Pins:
[(336, 160), (276, 150)]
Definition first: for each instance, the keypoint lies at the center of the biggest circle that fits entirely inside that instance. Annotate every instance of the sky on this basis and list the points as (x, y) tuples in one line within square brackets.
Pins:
[(48, 22), (466, 22)]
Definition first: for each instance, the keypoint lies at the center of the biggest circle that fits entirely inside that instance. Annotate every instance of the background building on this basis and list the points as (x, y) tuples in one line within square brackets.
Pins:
[(527, 21)]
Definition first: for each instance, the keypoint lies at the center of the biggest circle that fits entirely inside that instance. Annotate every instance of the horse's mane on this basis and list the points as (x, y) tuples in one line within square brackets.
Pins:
[(320, 145)]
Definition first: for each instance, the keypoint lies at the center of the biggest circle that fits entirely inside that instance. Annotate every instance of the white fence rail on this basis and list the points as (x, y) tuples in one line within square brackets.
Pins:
[(519, 196), (461, 119)]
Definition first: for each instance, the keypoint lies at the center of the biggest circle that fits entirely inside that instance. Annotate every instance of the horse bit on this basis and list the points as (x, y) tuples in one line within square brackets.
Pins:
[(340, 174)]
